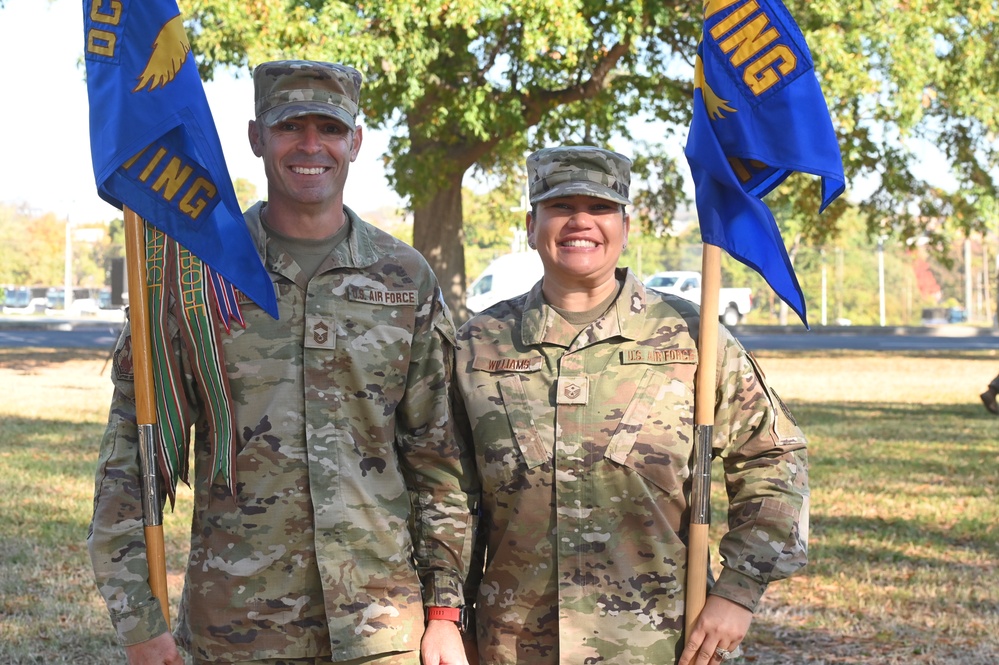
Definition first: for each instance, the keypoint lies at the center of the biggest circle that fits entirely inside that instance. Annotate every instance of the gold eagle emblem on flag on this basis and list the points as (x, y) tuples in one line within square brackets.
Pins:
[(713, 104), (170, 49)]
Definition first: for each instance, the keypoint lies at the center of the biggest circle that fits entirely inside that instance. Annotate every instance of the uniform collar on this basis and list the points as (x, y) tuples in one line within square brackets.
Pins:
[(543, 325), (357, 251)]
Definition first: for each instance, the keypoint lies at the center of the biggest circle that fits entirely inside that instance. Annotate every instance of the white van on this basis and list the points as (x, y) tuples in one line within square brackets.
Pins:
[(506, 277)]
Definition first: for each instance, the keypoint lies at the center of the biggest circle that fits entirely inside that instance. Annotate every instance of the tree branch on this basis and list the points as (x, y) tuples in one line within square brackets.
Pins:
[(537, 103)]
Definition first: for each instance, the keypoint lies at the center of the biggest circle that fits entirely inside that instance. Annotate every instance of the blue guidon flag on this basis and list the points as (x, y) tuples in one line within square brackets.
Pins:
[(154, 143), (759, 115)]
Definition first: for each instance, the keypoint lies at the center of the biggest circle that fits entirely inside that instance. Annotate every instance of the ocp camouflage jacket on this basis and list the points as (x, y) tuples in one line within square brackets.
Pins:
[(583, 444), (355, 505)]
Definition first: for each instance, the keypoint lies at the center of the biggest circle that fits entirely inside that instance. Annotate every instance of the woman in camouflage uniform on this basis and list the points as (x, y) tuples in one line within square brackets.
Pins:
[(579, 399)]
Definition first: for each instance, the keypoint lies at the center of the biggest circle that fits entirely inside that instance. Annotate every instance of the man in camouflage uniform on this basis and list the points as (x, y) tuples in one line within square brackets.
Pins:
[(355, 504), (579, 398)]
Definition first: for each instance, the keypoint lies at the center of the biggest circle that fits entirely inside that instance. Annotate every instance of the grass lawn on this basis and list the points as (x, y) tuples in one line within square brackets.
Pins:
[(904, 542), (904, 546)]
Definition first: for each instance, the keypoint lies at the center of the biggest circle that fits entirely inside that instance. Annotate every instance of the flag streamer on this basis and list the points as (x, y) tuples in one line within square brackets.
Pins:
[(179, 290), (172, 446), (205, 348)]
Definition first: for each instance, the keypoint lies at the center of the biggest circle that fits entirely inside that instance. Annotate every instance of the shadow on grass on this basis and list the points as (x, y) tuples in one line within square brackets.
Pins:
[(933, 420), (26, 359), (886, 539), (62, 645), (36, 533), (903, 441), (904, 541), (20, 432), (771, 642)]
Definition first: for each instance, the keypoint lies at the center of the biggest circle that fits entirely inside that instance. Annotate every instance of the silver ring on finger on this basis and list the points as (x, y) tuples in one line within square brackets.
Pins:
[(726, 654)]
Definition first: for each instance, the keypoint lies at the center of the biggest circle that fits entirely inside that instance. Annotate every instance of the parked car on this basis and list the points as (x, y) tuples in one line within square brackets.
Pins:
[(17, 297), (935, 316), (507, 276), (55, 296), (24, 300), (733, 303)]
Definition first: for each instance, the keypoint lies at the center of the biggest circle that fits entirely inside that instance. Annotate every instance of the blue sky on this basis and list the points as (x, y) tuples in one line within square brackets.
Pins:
[(45, 141)]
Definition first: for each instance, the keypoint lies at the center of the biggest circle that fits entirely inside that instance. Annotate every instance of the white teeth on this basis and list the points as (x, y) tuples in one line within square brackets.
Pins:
[(313, 171), (579, 243)]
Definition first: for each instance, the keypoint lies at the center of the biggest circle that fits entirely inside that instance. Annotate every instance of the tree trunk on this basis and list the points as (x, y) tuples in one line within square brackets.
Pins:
[(438, 235)]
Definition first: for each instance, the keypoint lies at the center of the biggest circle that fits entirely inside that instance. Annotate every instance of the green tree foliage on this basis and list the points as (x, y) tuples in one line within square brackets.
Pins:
[(32, 247), (92, 262), (465, 83), (898, 76), (494, 221), (246, 192), (461, 82)]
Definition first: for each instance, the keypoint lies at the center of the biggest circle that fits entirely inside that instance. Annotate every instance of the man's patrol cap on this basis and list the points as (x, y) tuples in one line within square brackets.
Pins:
[(291, 88), (582, 169)]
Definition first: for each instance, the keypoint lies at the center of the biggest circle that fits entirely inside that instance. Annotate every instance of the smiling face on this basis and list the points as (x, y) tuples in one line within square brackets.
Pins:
[(579, 239), (306, 160)]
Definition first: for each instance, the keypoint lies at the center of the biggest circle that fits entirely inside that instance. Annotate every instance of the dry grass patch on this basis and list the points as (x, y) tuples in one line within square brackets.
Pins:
[(904, 543), (904, 540), (53, 414)]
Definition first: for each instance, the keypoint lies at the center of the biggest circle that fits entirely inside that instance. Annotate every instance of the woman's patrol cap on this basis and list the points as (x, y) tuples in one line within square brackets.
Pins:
[(291, 88), (582, 169)]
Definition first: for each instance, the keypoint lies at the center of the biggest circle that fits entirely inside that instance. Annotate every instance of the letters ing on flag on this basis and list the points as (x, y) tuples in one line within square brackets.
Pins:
[(759, 115), (153, 140)]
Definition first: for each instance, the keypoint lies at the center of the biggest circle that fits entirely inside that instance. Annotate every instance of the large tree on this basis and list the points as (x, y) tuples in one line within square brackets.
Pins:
[(476, 83)]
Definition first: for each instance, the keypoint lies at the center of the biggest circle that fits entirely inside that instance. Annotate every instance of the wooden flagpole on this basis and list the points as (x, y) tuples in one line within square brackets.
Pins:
[(145, 409), (704, 421)]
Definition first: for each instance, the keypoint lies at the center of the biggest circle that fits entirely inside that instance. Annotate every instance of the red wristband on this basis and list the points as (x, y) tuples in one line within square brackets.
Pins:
[(444, 614), (457, 615)]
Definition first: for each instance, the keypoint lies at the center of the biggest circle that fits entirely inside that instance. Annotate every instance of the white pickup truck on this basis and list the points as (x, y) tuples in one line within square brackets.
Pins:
[(733, 303), (506, 277)]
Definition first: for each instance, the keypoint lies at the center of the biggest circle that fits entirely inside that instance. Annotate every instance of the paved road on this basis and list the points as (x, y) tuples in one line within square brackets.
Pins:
[(868, 339), (53, 332), (79, 338), (90, 334)]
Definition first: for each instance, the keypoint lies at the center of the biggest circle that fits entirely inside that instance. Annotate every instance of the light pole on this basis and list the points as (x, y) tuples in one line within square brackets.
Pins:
[(986, 288), (67, 276), (822, 253), (881, 278), (838, 289), (967, 278)]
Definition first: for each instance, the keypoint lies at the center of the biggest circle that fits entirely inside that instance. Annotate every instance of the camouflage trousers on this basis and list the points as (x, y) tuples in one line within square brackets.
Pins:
[(394, 658)]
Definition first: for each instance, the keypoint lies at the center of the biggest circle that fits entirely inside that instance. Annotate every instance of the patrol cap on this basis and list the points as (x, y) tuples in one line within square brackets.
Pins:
[(581, 169), (291, 88)]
